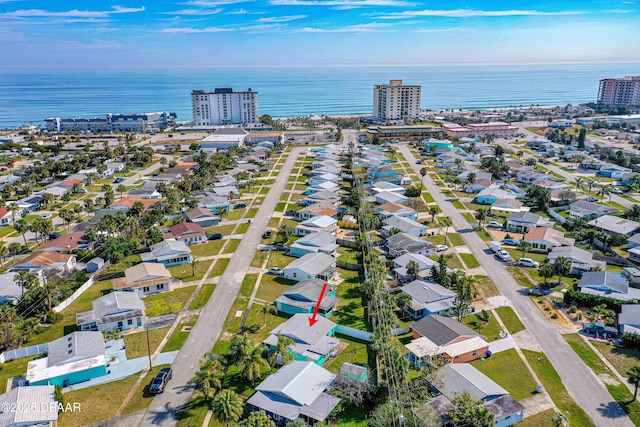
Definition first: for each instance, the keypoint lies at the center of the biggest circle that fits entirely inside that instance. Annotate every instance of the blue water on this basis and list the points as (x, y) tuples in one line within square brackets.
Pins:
[(286, 92)]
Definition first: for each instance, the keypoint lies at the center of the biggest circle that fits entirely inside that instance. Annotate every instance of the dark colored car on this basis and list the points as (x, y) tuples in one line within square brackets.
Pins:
[(240, 206), (267, 234), (54, 235), (215, 236), (160, 381), (118, 180)]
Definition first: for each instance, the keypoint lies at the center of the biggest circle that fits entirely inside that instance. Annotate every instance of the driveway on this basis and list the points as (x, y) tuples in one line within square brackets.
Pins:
[(578, 378), (163, 409)]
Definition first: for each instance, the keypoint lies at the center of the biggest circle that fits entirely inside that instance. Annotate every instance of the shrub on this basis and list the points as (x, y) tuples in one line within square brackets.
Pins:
[(554, 316), (573, 309)]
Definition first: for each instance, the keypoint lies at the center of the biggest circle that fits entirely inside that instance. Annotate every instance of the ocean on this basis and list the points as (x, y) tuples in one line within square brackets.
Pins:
[(30, 97)]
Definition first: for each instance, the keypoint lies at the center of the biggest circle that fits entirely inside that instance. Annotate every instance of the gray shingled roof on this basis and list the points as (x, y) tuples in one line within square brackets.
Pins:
[(604, 279), (297, 327), (425, 292), (309, 289), (75, 345), (575, 254), (442, 330), (313, 264), (456, 378)]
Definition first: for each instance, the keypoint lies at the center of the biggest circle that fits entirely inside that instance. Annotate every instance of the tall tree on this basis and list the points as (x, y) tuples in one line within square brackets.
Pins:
[(423, 173), (481, 215), (267, 309), (546, 271), (524, 247), (227, 407), (433, 211), (470, 412), (446, 223), (562, 267), (413, 269), (633, 377), (281, 352), (208, 379)]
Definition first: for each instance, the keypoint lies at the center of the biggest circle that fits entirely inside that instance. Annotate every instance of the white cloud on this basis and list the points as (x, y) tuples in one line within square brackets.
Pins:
[(120, 9), (186, 30), (358, 28), (341, 4), (75, 13), (194, 12), (470, 13), (282, 18)]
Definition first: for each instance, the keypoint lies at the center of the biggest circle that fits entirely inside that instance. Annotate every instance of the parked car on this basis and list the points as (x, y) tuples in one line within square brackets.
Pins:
[(47, 215), (281, 247), (528, 262), (267, 234), (512, 242), (118, 180), (215, 236), (418, 162), (275, 270), (503, 256), (160, 381), (290, 212), (441, 248), (54, 235), (239, 206), (494, 224), (617, 190)]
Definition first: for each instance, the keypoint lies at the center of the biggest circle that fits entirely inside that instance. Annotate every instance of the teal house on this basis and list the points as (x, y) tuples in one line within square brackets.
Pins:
[(438, 144), (303, 298), (72, 359), (310, 343)]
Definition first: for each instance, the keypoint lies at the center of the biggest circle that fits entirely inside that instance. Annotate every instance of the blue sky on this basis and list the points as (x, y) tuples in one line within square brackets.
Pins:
[(230, 33)]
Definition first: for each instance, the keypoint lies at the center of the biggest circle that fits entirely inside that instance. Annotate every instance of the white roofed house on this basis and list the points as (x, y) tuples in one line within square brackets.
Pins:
[(313, 243), (318, 197), (395, 209), (402, 243), (427, 298), (296, 391), (608, 284), (145, 278), (614, 224), (401, 263), (224, 138), (391, 197), (115, 310), (169, 253), (522, 222), (585, 209), (147, 191), (581, 261), (404, 225), (317, 224), (312, 266), (43, 408), (303, 298)]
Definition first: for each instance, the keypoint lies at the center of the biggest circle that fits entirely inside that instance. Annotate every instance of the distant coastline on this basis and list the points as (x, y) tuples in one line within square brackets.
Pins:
[(31, 97)]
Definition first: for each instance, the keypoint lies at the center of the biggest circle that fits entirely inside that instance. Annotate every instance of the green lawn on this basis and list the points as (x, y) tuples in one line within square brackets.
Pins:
[(203, 296), (457, 204), (490, 330), (14, 368), (621, 358), (233, 322), (137, 343), (541, 419), (428, 198), (259, 258), (178, 337), (142, 397), (519, 276), (167, 302), (487, 286), (272, 286), (348, 255), (436, 240), (279, 259), (350, 311), (232, 246), (355, 352), (517, 379), (510, 319), (469, 260), (280, 207), (184, 272), (225, 230), (553, 384), (235, 214), (251, 213), (453, 261), (206, 249), (220, 267), (586, 354), (455, 239)]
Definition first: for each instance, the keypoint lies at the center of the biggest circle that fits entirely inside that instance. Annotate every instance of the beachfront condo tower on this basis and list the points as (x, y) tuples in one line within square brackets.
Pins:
[(396, 101), (625, 91), (223, 106)]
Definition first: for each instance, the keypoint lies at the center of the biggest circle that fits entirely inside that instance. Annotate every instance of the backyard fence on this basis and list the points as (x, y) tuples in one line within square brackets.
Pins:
[(354, 333), (348, 265), (557, 216), (64, 304), (19, 353)]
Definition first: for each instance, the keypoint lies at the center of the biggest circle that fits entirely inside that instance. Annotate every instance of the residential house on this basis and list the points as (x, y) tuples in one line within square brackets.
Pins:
[(147, 191), (127, 203), (395, 209), (633, 275), (455, 379), (427, 298), (403, 225), (322, 186), (375, 174), (66, 244), (30, 203), (318, 197), (187, 232), (202, 216), (168, 253), (43, 407), (608, 284), (614, 224), (10, 290), (230, 192), (391, 196), (629, 318), (317, 242), (581, 261), (295, 391), (55, 190), (46, 260), (401, 263), (479, 175), (303, 298), (480, 186), (403, 243), (6, 216), (213, 202), (490, 195), (74, 358), (564, 196), (115, 310), (225, 181), (441, 335), (529, 178), (633, 241), (380, 186), (506, 207), (522, 222), (312, 266), (317, 224), (145, 278), (323, 208), (95, 264), (584, 209), (311, 343), (544, 239), (613, 171)]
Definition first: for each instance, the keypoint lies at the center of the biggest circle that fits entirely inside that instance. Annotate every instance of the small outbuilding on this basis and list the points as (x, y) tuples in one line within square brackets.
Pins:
[(95, 264)]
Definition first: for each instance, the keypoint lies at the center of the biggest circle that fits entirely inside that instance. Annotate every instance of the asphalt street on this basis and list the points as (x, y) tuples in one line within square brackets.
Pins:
[(585, 388), (163, 409)]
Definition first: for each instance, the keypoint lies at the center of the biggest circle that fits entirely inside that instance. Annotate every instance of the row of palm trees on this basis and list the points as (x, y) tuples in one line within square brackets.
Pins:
[(594, 187)]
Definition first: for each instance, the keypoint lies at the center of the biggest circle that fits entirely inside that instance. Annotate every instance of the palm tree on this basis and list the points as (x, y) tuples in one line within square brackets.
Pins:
[(13, 208), (590, 183), (579, 182), (433, 211), (413, 269), (227, 407), (560, 420), (446, 223), (282, 350), (250, 366), (633, 377), (22, 226), (121, 188), (222, 211), (285, 231), (14, 249), (4, 251), (604, 190), (524, 247), (266, 309), (209, 377), (423, 173), (546, 272), (481, 214), (562, 267)]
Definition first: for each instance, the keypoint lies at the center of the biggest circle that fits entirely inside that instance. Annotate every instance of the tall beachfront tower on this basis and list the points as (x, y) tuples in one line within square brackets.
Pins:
[(396, 101), (223, 106), (625, 91)]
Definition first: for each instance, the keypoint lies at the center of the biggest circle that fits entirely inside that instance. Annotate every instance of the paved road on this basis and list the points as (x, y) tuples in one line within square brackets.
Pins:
[(582, 384), (570, 177), (162, 411)]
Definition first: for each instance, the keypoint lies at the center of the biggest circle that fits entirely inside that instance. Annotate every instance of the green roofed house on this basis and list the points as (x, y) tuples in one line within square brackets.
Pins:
[(72, 359)]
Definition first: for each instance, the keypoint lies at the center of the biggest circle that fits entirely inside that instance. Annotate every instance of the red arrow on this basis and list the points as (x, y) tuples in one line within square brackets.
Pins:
[(312, 319)]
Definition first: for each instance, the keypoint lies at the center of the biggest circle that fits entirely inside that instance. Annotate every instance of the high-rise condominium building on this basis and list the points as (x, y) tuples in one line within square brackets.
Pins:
[(223, 106), (624, 91), (396, 101)]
